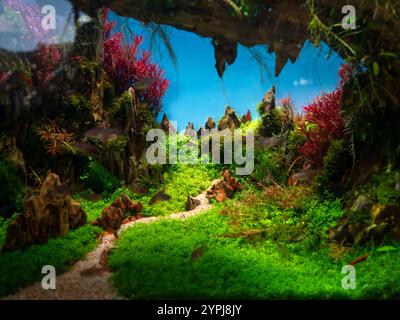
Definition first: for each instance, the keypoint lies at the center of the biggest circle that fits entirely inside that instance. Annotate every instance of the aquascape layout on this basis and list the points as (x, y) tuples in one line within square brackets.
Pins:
[(227, 149)]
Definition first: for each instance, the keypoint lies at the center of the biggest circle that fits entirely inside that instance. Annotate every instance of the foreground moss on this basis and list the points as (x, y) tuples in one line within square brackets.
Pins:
[(181, 181), (20, 268), (194, 258)]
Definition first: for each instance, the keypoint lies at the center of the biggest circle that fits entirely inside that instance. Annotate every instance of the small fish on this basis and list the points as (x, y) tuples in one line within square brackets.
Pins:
[(93, 271), (360, 259), (198, 253), (85, 148), (283, 250), (143, 83), (159, 197), (76, 59), (4, 76), (110, 137), (138, 189), (397, 186), (104, 259), (103, 134), (64, 190), (306, 175)]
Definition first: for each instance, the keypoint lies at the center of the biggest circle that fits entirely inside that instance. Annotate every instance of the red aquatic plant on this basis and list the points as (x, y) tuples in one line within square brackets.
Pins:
[(345, 73), (323, 123), (286, 114), (128, 66), (76, 59), (4, 76), (287, 102), (46, 57)]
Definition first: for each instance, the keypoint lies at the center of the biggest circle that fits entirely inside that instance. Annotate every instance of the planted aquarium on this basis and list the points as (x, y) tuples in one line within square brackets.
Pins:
[(199, 150)]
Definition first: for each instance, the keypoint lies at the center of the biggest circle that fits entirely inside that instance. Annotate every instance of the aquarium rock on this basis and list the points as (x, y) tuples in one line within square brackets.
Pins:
[(49, 214)]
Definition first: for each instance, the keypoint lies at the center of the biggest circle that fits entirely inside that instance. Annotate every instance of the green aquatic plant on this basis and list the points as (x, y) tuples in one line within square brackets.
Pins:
[(120, 106), (99, 179), (296, 139), (269, 167), (230, 267), (87, 69), (117, 144), (251, 125), (79, 103), (76, 108), (387, 187), (335, 163), (179, 182), (20, 268), (270, 121), (12, 189), (321, 216)]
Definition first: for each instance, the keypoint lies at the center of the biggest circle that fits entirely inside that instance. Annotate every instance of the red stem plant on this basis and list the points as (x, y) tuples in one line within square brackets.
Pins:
[(127, 65), (322, 122)]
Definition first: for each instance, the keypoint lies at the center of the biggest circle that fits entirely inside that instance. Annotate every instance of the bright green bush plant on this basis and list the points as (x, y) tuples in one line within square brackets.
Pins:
[(270, 121), (12, 189), (320, 217), (99, 179), (199, 258), (181, 181), (328, 183), (268, 167), (386, 188), (120, 106), (19, 268)]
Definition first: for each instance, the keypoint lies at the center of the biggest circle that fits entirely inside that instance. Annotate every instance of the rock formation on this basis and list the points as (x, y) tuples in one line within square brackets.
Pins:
[(268, 100), (189, 129), (114, 215), (271, 124), (280, 23), (192, 203), (51, 213), (384, 220), (167, 126), (389, 214), (138, 189), (225, 188), (225, 53), (230, 120), (210, 124), (159, 197)]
